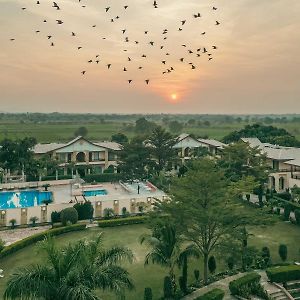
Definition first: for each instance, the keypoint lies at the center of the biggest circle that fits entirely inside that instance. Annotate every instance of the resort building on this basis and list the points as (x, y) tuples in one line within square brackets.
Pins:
[(188, 146), (283, 161), (82, 155)]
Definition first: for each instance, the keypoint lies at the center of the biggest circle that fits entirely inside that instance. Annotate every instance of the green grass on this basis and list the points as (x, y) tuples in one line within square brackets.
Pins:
[(152, 275)]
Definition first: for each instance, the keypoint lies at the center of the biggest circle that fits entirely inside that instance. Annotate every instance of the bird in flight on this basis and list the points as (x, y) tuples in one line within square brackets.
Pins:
[(56, 6)]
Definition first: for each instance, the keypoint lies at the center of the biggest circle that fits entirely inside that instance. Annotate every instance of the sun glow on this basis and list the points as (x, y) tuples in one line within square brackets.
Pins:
[(174, 97)]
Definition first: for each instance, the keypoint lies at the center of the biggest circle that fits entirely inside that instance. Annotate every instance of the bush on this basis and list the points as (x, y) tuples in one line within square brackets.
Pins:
[(297, 216), (285, 196), (282, 251), (55, 217), (108, 213), (148, 294), (38, 237), (85, 210), (245, 285), (168, 289), (287, 211), (33, 220), (69, 214), (284, 274), (13, 223), (114, 177), (230, 262), (1, 244), (212, 265), (123, 221), (215, 294), (266, 256), (248, 197), (293, 205)]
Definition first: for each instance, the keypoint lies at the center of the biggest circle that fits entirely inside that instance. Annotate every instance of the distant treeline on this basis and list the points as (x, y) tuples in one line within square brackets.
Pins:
[(190, 119)]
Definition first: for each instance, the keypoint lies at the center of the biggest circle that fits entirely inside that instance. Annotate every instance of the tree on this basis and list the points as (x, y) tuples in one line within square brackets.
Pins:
[(161, 145), (13, 223), (33, 220), (134, 160), (81, 131), (143, 126), (207, 208), (212, 265), (282, 251), (72, 272), (148, 294), (85, 210), (175, 126), (120, 138), (166, 248), (168, 289)]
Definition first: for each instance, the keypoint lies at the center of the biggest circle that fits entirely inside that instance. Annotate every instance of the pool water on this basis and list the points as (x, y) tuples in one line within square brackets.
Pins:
[(93, 193), (20, 199)]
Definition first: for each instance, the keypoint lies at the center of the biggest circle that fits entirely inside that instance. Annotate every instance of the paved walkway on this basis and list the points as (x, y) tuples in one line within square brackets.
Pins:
[(10, 236)]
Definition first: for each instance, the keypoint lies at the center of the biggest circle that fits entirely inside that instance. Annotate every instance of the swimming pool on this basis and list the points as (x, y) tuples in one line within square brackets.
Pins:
[(93, 193), (20, 199)]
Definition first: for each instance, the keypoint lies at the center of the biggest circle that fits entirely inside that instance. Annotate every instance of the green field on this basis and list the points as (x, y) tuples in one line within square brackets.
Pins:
[(152, 275), (61, 132)]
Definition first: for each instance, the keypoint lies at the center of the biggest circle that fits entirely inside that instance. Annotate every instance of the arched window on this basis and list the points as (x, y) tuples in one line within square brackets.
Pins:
[(80, 157)]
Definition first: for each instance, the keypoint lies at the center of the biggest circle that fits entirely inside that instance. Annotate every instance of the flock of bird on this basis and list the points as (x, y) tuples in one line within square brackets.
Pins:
[(199, 52)]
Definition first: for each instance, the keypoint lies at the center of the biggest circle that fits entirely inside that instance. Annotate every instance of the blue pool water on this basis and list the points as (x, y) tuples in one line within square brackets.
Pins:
[(19, 199), (95, 193)]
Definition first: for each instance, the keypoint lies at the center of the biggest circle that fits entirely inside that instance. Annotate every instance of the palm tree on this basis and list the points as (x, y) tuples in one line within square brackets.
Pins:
[(72, 272), (166, 249)]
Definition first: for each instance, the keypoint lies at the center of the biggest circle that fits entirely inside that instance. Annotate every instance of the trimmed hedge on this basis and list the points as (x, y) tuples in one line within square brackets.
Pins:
[(284, 274), (38, 237), (293, 205), (107, 177), (122, 221), (215, 294), (238, 286)]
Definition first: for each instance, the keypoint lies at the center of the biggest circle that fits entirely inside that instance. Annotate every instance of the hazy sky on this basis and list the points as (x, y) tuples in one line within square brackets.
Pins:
[(256, 68)]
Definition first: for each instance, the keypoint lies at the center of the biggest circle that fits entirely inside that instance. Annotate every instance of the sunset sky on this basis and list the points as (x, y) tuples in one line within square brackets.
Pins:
[(254, 70)]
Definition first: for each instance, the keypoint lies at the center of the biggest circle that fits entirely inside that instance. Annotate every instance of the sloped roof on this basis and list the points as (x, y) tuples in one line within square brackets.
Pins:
[(213, 143), (45, 148), (182, 136)]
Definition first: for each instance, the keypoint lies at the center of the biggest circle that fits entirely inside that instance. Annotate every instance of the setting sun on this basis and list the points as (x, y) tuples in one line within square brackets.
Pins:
[(174, 97)]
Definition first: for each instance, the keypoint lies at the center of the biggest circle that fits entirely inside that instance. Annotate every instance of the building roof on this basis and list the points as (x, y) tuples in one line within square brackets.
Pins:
[(46, 148), (182, 136), (274, 151), (213, 143)]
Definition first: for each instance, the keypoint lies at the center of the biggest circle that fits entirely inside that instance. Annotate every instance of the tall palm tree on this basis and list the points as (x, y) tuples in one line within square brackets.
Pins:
[(73, 272), (167, 248)]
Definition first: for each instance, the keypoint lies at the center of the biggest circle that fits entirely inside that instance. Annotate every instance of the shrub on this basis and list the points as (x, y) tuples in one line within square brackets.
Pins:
[(230, 262), (212, 265), (245, 285), (38, 237), (184, 277), (85, 210), (124, 212), (284, 274), (108, 213), (215, 294), (266, 256), (55, 217), (168, 289), (282, 251), (123, 221), (114, 177), (297, 216), (13, 223), (1, 244), (69, 214), (285, 196), (33, 220), (197, 274), (148, 294), (287, 211)]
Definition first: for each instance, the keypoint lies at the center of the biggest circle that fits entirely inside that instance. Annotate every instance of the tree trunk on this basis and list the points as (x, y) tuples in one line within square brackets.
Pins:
[(205, 268)]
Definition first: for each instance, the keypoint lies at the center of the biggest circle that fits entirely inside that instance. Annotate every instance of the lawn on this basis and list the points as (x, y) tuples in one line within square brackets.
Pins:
[(152, 276)]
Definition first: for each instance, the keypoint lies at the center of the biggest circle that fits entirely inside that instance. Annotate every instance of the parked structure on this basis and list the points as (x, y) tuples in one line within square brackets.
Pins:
[(284, 163)]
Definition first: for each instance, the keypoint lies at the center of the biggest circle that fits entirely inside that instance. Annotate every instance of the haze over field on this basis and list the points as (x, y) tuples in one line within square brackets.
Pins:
[(254, 70)]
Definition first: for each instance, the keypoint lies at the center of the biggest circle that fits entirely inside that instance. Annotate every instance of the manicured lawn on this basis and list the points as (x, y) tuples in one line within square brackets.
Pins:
[(152, 275)]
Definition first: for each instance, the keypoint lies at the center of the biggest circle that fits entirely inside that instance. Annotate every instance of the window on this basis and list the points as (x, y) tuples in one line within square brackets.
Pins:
[(96, 156), (275, 164)]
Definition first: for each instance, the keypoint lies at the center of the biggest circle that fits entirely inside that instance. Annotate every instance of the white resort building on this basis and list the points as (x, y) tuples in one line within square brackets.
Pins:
[(284, 163)]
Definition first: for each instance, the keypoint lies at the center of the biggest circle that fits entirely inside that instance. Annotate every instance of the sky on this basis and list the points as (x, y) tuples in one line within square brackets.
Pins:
[(255, 68)]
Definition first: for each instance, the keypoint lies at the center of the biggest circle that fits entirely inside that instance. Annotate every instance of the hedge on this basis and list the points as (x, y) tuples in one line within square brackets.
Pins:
[(284, 274), (122, 221), (38, 237), (237, 286), (108, 177), (215, 294), (293, 205)]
